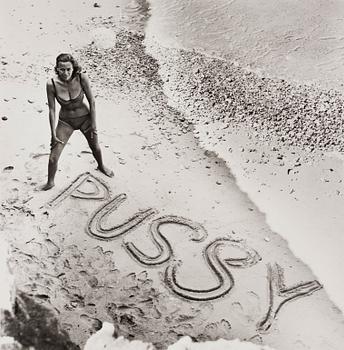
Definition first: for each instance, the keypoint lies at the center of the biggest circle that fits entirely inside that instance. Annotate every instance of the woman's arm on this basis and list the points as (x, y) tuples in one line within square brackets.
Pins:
[(90, 98), (51, 105), (52, 114)]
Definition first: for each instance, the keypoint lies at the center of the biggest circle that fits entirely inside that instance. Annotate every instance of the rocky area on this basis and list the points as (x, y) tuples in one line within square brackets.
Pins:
[(209, 89)]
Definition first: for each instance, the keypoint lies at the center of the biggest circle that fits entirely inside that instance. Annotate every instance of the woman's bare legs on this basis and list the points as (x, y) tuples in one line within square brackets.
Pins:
[(63, 133), (92, 140)]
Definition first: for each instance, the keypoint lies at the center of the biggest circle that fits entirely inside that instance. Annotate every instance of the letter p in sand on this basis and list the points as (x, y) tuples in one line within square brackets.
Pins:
[(99, 190)]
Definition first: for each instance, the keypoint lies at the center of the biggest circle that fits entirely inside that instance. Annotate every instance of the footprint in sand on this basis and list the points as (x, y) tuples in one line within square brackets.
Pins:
[(91, 322)]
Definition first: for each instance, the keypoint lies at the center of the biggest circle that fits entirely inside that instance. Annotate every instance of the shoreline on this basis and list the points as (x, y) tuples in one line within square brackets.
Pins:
[(300, 43), (288, 182)]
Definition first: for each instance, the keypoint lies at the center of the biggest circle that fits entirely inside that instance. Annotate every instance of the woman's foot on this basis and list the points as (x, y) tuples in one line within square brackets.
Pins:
[(47, 186), (106, 171)]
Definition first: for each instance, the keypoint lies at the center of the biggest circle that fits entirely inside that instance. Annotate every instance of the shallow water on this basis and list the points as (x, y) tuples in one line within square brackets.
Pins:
[(134, 14), (291, 39)]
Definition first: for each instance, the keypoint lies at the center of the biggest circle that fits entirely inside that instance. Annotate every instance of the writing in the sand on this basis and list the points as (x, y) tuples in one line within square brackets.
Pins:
[(97, 190)]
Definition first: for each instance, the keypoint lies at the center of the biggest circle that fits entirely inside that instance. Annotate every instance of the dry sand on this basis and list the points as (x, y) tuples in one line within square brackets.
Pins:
[(186, 252)]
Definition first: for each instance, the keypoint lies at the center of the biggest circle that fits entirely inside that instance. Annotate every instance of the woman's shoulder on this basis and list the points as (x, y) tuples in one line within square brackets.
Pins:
[(50, 85), (84, 81), (83, 76), (51, 81)]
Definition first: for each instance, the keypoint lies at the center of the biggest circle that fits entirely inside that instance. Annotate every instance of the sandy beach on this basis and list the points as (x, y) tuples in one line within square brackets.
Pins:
[(175, 244)]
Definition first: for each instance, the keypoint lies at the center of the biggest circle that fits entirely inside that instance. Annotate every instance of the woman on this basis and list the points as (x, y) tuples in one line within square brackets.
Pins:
[(68, 88)]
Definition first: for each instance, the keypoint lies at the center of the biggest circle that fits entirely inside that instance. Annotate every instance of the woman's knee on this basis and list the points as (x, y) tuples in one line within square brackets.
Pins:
[(54, 157)]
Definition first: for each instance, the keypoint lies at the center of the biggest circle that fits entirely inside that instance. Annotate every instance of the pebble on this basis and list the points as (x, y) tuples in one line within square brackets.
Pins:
[(8, 168), (93, 281), (4, 118)]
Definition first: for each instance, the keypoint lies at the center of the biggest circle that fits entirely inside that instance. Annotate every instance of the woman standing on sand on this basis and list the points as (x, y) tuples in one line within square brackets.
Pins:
[(68, 88)]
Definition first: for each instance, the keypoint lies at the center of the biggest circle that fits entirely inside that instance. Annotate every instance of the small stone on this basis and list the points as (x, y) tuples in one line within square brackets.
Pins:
[(8, 168), (93, 281), (30, 101), (96, 4), (4, 118)]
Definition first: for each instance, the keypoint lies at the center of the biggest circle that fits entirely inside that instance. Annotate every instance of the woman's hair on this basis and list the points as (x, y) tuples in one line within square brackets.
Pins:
[(66, 57)]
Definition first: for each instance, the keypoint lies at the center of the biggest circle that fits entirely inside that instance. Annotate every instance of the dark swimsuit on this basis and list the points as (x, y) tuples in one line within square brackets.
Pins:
[(82, 123)]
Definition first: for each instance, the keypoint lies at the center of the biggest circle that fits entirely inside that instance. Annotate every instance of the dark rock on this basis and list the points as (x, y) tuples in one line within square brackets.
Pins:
[(8, 168), (33, 324)]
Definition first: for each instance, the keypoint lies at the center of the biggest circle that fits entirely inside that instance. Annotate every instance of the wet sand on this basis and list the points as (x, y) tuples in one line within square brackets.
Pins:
[(170, 246)]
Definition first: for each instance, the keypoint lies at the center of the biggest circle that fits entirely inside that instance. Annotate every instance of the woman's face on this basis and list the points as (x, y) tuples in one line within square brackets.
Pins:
[(64, 70)]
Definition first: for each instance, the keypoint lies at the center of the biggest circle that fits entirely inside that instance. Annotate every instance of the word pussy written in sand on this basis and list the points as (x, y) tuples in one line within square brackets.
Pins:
[(244, 257)]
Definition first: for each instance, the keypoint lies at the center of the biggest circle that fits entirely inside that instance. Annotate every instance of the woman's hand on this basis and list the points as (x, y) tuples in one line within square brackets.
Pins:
[(54, 141), (94, 132)]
